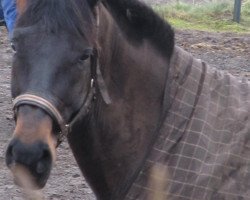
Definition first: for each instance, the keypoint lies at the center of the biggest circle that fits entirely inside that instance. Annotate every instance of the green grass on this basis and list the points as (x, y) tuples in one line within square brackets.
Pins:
[(215, 16)]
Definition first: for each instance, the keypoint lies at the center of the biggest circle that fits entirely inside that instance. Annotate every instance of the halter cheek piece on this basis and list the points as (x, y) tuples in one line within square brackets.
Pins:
[(55, 114)]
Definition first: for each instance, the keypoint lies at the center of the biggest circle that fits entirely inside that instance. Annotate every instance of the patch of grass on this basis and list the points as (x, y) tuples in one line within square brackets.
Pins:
[(246, 8), (215, 16)]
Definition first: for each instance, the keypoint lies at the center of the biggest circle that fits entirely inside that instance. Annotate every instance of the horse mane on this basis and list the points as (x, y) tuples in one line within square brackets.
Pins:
[(74, 16), (140, 22), (135, 19)]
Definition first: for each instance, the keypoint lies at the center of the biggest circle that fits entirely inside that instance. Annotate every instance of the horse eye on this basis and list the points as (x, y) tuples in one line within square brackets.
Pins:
[(84, 57), (86, 54)]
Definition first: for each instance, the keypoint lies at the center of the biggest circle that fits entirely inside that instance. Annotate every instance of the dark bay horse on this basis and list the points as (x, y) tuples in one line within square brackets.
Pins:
[(136, 109)]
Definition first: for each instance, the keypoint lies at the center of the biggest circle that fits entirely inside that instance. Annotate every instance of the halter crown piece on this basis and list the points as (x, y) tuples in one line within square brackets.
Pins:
[(54, 113)]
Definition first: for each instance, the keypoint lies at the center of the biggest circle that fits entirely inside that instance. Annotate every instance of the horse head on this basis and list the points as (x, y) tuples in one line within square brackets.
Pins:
[(54, 49)]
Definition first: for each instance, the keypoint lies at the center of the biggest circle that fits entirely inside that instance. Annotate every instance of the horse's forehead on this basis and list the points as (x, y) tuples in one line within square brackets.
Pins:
[(34, 31), (19, 31), (32, 35)]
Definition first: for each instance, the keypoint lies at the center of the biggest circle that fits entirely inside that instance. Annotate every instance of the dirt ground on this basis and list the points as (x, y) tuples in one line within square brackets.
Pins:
[(226, 51)]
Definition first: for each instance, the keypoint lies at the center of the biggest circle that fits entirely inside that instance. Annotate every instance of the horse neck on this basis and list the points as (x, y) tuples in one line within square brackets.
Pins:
[(129, 65), (135, 75)]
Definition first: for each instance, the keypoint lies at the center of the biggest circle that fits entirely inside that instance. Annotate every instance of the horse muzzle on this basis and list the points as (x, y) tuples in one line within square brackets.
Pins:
[(30, 163), (31, 153)]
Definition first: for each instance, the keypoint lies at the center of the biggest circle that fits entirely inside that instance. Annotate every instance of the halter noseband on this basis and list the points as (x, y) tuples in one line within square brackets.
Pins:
[(34, 100)]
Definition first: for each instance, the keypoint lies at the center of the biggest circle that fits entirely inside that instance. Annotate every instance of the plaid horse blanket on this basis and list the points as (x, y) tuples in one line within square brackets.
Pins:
[(203, 147)]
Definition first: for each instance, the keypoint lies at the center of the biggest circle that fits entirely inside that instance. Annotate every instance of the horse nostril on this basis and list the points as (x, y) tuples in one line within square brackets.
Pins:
[(40, 168), (44, 161), (9, 156)]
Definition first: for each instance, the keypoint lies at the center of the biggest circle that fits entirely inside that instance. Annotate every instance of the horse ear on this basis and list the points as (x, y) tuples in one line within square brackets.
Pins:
[(92, 3), (21, 6)]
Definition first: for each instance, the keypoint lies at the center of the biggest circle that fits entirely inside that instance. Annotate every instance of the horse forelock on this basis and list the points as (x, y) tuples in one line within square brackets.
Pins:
[(74, 16)]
